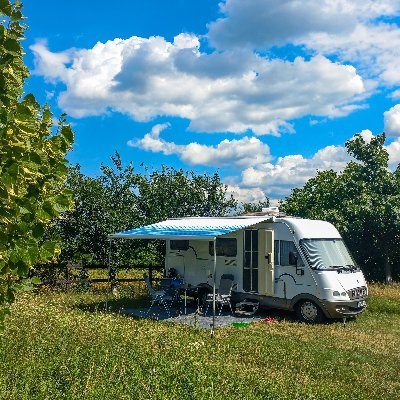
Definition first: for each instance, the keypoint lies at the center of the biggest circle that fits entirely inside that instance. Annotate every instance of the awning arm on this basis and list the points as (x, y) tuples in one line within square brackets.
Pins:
[(214, 281)]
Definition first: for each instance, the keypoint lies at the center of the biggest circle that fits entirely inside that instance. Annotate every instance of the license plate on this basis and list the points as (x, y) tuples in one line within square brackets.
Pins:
[(361, 304)]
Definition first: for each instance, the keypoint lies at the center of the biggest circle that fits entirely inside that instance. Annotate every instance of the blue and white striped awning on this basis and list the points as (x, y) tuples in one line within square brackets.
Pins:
[(191, 228)]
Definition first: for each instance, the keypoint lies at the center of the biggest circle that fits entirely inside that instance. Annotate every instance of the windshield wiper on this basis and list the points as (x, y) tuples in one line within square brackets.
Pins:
[(346, 267), (338, 268), (351, 267)]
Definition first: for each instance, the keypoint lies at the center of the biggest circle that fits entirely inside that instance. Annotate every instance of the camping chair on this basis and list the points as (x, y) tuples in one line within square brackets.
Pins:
[(223, 295), (158, 296)]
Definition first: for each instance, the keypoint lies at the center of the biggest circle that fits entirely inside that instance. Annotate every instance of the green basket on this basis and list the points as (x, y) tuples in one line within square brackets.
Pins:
[(240, 324)]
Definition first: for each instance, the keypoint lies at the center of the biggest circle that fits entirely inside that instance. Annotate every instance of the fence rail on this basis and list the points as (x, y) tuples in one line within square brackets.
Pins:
[(70, 278)]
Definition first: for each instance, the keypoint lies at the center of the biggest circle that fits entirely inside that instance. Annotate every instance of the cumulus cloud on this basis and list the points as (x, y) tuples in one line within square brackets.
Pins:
[(394, 152), (282, 22), (51, 65), (246, 195), (373, 48), (293, 171), (392, 121), (231, 153), (262, 174), (145, 78), (363, 32), (366, 134), (276, 22)]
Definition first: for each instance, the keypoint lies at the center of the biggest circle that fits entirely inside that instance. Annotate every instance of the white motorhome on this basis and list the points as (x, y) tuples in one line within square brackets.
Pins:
[(281, 262)]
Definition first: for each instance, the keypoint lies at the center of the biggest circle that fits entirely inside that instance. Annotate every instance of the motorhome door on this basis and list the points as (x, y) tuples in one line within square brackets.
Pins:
[(250, 262), (266, 262)]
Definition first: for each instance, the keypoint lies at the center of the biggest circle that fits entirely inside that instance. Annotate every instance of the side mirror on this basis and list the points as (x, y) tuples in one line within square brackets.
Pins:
[(293, 257)]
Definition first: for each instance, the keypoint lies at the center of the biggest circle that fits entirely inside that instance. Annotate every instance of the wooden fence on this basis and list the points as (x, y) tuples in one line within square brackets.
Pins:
[(74, 274)]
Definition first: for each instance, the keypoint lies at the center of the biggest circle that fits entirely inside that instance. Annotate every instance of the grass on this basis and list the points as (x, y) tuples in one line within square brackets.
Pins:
[(62, 346)]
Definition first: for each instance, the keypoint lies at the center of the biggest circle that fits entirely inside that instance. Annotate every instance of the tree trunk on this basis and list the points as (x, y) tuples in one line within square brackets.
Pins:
[(388, 270)]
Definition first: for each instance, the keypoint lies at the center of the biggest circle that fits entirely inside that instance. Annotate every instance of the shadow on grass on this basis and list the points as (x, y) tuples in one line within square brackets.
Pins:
[(290, 316), (114, 305)]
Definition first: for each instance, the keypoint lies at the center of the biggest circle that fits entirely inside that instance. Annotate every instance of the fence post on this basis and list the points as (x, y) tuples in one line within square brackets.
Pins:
[(112, 275), (68, 266)]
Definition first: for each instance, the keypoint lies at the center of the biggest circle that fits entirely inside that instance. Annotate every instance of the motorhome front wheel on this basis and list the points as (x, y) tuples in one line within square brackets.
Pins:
[(308, 311)]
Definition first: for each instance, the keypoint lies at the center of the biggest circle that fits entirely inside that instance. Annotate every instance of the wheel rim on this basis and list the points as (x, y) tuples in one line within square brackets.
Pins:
[(309, 311)]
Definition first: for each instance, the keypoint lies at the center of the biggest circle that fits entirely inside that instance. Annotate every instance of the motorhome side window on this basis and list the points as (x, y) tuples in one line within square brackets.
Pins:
[(225, 247), (282, 250), (179, 245), (276, 252)]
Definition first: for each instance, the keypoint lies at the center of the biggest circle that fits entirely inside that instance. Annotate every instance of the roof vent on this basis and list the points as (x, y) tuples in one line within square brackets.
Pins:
[(272, 211)]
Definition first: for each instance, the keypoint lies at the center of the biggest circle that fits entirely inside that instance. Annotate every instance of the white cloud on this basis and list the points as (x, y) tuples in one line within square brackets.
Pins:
[(51, 65), (49, 94), (247, 195), (261, 176), (363, 32), (186, 41), (374, 48), (284, 21), (392, 121), (395, 95), (394, 153), (367, 135), (276, 22), (232, 153), (146, 78), (293, 170)]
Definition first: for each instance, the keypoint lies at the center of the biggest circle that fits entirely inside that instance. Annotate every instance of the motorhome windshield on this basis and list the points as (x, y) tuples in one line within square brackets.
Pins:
[(327, 254)]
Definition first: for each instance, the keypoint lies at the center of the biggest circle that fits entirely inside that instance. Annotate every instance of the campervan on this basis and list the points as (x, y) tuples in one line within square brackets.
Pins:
[(279, 262)]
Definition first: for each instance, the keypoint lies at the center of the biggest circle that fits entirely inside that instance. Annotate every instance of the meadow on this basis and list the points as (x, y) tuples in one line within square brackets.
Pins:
[(65, 346)]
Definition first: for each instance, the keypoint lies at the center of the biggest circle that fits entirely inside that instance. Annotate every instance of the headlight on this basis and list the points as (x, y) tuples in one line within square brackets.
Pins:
[(336, 293)]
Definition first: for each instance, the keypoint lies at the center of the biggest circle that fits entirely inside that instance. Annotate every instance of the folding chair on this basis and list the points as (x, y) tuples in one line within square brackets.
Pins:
[(223, 295), (158, 297)]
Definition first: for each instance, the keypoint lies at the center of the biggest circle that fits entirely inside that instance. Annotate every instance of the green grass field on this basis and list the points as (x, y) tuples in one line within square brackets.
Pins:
[(62, 346)]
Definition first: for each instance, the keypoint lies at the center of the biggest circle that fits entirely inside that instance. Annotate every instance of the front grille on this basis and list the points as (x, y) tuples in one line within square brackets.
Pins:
[(357, 293)]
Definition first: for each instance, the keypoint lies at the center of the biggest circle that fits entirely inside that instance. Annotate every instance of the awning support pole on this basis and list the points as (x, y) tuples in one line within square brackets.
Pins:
[(214, 280)]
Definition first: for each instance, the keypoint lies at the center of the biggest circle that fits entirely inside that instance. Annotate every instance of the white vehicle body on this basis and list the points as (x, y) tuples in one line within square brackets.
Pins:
[(319, 271)]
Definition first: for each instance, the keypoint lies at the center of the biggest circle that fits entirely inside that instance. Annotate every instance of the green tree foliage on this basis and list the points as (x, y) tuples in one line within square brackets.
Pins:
[(247, 208), (172, 193), (32, 165), (121, 198), (363, 202), (103, 205)]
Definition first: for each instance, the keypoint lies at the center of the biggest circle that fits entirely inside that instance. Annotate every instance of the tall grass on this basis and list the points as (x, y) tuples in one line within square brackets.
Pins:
[(63, 346)]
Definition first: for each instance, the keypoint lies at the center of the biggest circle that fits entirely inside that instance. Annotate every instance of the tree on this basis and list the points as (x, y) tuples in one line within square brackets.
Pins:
[(363, 202), (121, 198), (103, 205), (247, 208), (32, 165), (172, 193)]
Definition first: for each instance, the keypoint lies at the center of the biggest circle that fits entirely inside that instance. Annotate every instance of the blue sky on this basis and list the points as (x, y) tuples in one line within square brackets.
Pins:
[(265, 92)]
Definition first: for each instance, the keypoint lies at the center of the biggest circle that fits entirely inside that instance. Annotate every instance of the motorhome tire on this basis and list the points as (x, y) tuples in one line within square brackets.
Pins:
[(309, 312)]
